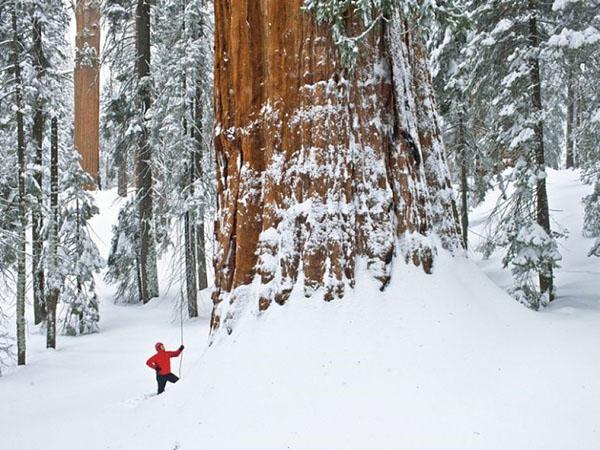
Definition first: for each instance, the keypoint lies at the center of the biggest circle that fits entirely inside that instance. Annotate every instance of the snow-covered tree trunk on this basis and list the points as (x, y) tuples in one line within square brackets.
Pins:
[(37, 136), (148, 275), (54, 279), (464, 185), (543, 212), (199, 172), (22, 213), (570, 137), (122, 175), (318, 164)]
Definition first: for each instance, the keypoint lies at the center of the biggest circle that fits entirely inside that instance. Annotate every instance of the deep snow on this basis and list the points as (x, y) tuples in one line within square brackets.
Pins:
[(447, 361)]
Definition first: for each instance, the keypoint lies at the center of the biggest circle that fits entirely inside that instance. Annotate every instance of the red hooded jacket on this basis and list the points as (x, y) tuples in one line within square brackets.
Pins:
[(162, 359)]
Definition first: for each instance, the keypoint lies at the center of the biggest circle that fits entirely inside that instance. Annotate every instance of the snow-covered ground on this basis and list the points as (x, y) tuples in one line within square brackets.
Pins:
[(447, 361)]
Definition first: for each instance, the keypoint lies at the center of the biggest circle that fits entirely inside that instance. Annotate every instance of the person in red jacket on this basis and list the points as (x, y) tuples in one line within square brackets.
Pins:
[(161, 362)]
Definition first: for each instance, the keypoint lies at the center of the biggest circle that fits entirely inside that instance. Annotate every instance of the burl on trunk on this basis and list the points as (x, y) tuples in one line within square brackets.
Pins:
[(317, 163)]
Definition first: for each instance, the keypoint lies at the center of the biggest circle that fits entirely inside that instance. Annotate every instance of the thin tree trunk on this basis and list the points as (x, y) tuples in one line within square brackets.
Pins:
[(148, 270), (53, 275), (198, 174), (464, 185), (201, 254), (189, 225), (578, 108), (22, 221), (122, 174), (190, 265), (543, 213), (570, 120), (37, 136)]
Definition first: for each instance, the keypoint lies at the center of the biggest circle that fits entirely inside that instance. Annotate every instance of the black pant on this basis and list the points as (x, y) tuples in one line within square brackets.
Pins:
[(162, 381)]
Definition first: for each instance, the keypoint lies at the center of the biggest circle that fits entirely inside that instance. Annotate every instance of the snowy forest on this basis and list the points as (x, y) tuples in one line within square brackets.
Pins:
[(335, 224)]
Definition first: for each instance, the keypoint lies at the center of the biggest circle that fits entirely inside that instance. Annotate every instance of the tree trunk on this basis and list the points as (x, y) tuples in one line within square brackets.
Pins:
[(464, 185), (316, 164), (190, 265), (87, 87), (37, 136), (122, 174), (22, 221), (570, 121), (578, 108), (198, 171), (543, 213), (53, 275), (148, 270)]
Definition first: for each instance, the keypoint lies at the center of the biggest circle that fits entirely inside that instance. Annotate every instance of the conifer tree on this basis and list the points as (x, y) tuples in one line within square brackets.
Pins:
[(506, 53)]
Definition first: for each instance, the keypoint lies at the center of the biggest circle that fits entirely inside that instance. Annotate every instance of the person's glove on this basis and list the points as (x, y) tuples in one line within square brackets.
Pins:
[(181, 347), (157, 368)]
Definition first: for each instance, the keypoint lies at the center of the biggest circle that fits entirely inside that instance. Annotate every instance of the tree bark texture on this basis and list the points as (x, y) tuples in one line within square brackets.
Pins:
[(53, 275), (543, 212), (570, 138), (122, 175), (37, 136), (190, 265), (21, 255), (87, 86), (464, 185), (198, 174), (148, 276), (318, 164)]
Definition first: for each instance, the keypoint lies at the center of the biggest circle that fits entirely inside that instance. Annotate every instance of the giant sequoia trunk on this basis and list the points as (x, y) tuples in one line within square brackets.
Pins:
[(87, 86), (318, 164)]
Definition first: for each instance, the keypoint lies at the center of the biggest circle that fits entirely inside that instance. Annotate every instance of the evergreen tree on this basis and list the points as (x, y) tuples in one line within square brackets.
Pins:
[(81, 313), (506, 54), (576, 45), (575, 48), (178, 123)]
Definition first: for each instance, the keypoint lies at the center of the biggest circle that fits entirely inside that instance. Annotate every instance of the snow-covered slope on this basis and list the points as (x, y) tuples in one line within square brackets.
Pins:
[(447, 361)]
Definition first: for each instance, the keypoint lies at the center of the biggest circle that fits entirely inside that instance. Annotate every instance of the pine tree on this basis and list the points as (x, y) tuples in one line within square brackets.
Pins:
[(576, 45), (181, 120), (178, 123), (507, 70), (79, 296), (574, 48), (122, 259)]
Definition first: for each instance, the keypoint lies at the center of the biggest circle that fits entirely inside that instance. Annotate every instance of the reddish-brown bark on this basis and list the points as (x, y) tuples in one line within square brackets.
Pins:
[(87, 86), (316, 164)]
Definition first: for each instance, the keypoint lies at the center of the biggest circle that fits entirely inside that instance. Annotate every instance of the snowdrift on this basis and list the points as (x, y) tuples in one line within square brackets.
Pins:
[(444, 361)]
